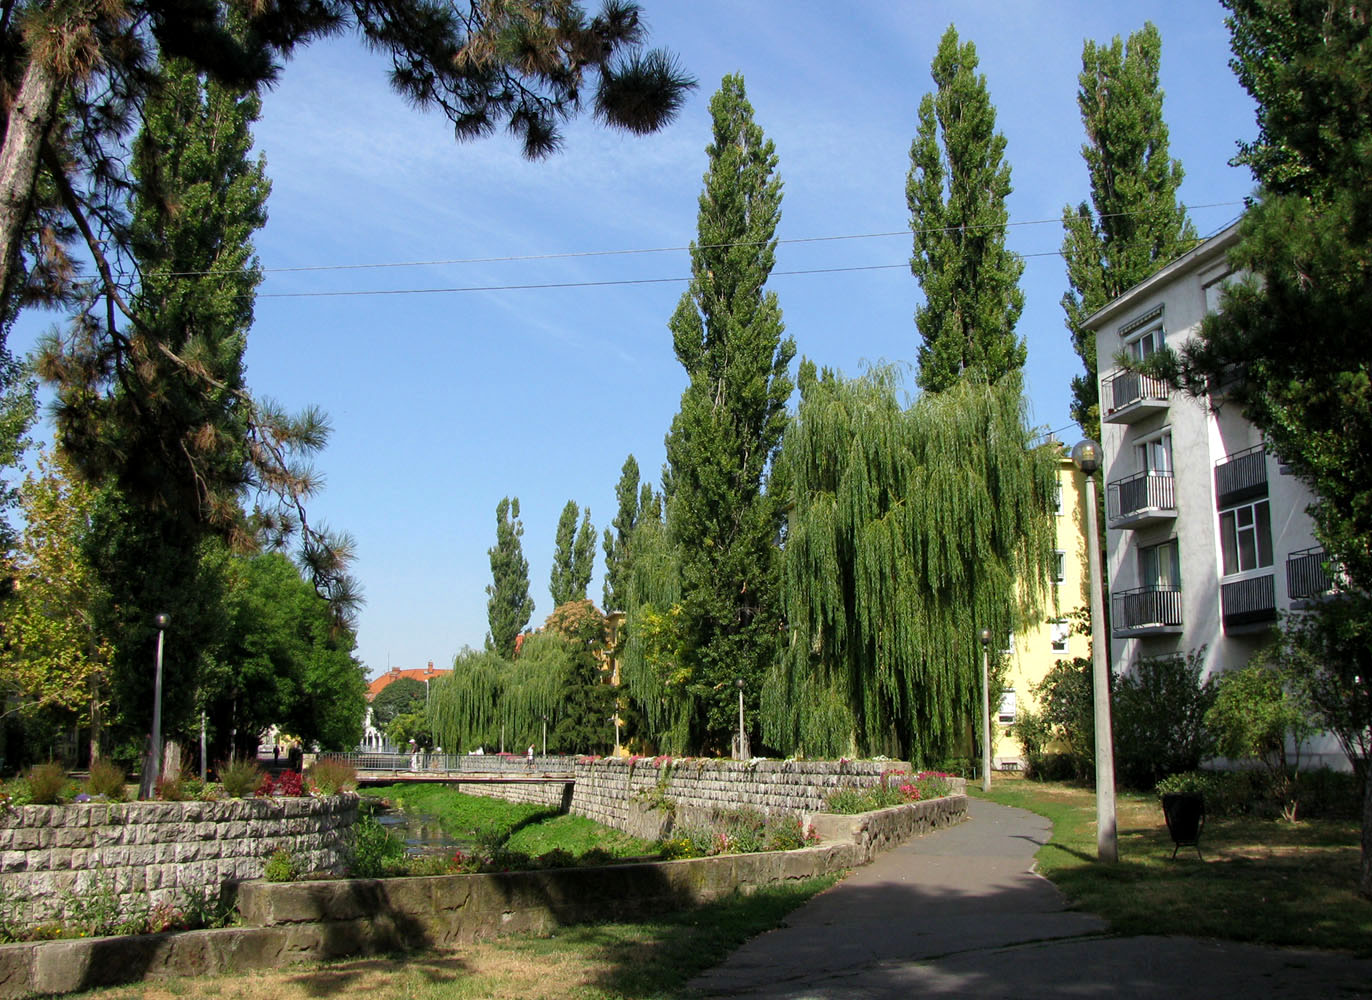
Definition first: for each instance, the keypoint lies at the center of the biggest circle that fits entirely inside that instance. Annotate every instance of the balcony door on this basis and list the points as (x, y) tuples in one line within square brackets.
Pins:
[(1160, 566)]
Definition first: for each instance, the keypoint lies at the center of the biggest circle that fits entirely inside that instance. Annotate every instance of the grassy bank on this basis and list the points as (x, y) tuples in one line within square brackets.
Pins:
[(1266, 881), (619, 961), (519, 827)]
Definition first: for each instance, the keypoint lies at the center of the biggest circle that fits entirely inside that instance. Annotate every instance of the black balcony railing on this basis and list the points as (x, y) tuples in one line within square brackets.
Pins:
[(1142, 492), (1249, 602), (1125, 388), (1308, 574), (1241, 476), (1146, 607)]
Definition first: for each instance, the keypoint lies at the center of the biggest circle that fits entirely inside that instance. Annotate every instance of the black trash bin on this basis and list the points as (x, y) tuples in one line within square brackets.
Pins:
[(1185, 815)]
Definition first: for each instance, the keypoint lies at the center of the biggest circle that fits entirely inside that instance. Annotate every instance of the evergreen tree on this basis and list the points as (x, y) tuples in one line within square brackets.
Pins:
[(727, 332), (909, 532), (1289, 344), (560, 584), (509, 605), (1133, 223), (616, 539), (956, 193)]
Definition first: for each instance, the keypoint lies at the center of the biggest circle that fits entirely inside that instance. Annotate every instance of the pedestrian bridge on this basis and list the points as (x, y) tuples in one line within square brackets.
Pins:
[(503, 769)]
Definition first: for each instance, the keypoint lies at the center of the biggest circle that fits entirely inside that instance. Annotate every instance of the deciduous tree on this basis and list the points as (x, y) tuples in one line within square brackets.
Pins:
[(1133, 223), (618, 555), (956, 192), (727, 332)]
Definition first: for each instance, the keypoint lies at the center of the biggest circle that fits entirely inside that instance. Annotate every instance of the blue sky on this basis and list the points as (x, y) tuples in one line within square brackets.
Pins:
[(442, 402)]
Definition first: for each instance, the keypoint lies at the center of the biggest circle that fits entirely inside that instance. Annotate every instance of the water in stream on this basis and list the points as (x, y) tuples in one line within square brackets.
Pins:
[(422, 834)]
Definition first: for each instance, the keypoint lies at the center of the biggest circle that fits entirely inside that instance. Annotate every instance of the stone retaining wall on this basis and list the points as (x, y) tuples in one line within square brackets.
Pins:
[(311, 921), (149, 852), (613, 791)]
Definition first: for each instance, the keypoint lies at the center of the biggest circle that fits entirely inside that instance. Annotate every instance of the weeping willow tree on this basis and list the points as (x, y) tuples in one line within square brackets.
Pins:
[(465, 706), (651, 653), (910, 530)]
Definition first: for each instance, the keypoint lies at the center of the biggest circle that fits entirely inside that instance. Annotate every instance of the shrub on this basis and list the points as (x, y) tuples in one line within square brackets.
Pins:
[(281, 867), (1064, 722), (376, 851), (331, 776), (1226, 793), (107, 779), (1158, 713), (207, 906), (171, 788), (239, 777), (265, 787), (46, 783), (290, 784)]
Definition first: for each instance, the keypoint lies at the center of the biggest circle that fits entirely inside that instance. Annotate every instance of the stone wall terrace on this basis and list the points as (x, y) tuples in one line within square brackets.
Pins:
[(150, 852)]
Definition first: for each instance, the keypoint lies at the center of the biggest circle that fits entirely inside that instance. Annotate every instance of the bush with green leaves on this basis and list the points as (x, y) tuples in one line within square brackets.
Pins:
[(376, 852), (282, 866), (1258, 712), (1158, 710), (1059, 740)]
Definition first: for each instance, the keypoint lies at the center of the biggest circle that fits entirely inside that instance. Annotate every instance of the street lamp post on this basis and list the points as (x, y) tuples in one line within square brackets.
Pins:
[(545, 736), (154, 768), (985, 709), (1086, 455)]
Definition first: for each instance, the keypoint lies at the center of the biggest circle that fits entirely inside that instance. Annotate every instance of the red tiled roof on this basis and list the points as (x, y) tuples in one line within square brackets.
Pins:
[(395, 673)]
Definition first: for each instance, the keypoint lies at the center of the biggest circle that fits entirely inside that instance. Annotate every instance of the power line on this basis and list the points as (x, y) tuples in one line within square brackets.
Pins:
[(575, 254), (620, 281)]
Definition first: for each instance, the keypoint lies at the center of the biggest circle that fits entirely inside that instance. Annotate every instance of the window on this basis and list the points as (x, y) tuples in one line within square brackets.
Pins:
[(1061, 630), (1007, 707), (1154, 454), (1057, 498), (1246, 537), (1146, 343), (1160, 566), (1059, 566)]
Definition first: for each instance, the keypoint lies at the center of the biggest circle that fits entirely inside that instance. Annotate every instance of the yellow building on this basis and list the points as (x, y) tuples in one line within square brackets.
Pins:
[(1038, 645)]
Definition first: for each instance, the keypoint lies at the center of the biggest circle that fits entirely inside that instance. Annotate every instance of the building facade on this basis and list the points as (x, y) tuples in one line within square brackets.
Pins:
[(1209, 540), (1038, 645)]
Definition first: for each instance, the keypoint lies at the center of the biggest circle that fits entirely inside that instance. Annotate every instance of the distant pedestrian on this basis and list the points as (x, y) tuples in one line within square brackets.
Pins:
[(531, 753)]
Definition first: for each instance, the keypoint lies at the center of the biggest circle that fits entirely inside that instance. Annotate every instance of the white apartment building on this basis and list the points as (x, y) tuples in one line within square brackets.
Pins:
[(1208, 537)]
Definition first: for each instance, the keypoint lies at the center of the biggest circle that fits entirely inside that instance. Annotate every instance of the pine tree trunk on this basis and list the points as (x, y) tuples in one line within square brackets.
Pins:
[(31, 117)]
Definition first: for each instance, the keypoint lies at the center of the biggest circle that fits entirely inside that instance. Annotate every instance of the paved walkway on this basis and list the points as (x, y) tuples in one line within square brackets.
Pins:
[(960, 914)]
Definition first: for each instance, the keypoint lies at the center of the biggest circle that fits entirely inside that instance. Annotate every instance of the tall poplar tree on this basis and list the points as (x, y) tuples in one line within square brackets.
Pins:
[(560, 579), (956, 192), (727, 332), (616, 539), (508, 605), (573, 556), (1133, 224)]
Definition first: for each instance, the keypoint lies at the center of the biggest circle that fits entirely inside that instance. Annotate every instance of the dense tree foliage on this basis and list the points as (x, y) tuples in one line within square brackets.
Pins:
[(54, 653), (727, 332), (509, 605), (1133, 223), (402, 696), (910, 530), (956, 193), (556, 681), (573, 556), (618, 556)]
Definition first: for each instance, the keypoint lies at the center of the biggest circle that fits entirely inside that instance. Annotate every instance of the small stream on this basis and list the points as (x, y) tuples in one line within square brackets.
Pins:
[(421, 833)]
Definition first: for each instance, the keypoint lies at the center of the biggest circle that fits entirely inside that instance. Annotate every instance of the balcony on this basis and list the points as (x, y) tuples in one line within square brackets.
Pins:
[(1310, 576), (1146, 611), (1241, 476), (1248, 605), (1126, 397), (1138, 500)]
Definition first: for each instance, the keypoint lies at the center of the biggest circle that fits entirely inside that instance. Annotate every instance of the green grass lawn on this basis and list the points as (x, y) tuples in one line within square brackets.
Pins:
[(523, 828), (1265, 881)]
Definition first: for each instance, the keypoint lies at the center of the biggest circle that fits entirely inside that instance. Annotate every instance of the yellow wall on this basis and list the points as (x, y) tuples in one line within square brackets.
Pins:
[(1033, 654)]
